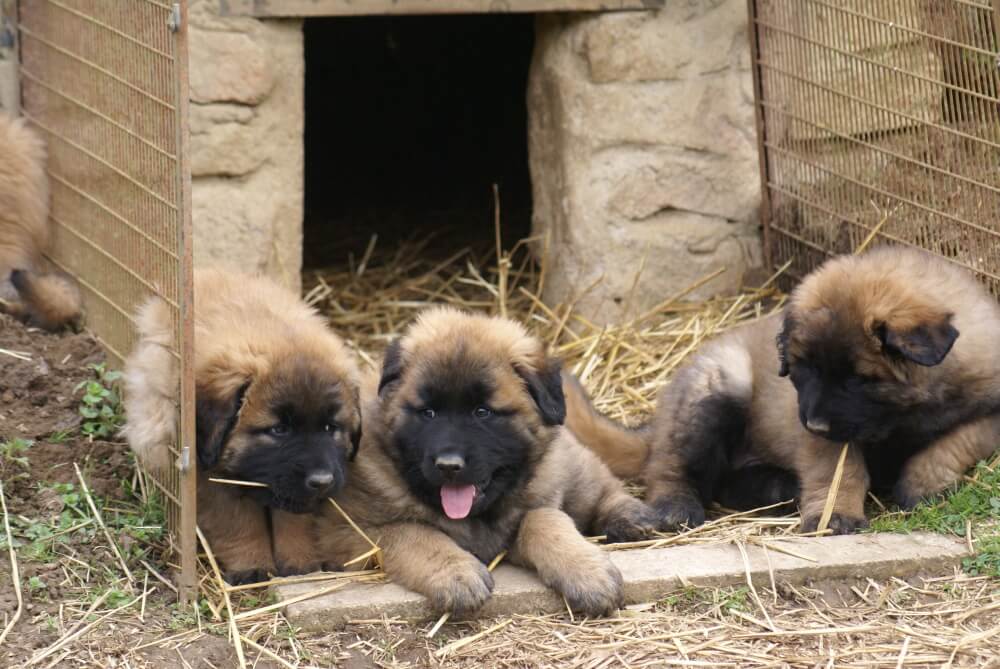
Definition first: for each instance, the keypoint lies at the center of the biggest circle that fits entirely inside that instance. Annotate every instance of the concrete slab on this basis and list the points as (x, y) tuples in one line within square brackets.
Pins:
[(650, 574)]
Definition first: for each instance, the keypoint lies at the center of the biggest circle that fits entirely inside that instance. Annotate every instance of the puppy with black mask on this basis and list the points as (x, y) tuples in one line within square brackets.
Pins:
[(276, 403), (893, 351), (464, 456)]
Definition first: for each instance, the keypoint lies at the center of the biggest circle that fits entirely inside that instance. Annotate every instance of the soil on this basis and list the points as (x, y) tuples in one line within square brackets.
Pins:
[(39, 402)]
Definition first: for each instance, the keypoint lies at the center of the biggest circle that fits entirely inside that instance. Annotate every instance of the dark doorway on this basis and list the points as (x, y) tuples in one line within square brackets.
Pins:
[(409, 122)]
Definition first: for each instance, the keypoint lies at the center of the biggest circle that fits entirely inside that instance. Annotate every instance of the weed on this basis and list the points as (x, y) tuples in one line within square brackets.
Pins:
[(14, 450), (986, 561), (59, 436), (101, 405), (36, 584)]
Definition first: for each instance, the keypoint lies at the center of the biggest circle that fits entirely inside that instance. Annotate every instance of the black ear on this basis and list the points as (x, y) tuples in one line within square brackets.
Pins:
[(392, 365), (925, 345), (545, 387), (356, 432), (214, 420), (782, 341)]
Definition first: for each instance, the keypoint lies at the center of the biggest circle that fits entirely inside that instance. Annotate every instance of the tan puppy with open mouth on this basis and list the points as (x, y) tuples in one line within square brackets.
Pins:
[(30, 288), (277, 403), (465, 456), (894, 351)]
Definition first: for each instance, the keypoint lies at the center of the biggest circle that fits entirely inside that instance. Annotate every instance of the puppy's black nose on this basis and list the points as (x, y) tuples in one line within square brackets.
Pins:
[(319, 479), (450, 464)]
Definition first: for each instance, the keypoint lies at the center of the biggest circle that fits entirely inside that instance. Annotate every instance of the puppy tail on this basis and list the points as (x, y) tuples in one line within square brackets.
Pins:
[(622, 449), (50, 301), (151, 385)]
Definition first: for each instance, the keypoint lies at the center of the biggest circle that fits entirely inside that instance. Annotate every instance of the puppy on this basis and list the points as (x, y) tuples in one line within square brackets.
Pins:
[(893, 352), (276, 402), (30, 288), (465, 456)]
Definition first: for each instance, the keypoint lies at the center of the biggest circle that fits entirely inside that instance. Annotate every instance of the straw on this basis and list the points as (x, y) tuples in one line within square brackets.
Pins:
[(831, 494)]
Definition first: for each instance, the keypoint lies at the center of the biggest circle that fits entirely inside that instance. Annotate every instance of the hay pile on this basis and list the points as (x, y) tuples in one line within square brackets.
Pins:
[(623, 366)]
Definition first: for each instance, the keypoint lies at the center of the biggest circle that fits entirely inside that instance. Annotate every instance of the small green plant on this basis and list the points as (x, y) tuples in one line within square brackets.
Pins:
[(36, 584), (101, 405), (14, 451), (986, 561), (59, 436)]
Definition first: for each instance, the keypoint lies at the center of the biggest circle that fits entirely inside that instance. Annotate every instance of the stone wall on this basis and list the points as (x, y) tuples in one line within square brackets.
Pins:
[(247, 117), (642, 143)]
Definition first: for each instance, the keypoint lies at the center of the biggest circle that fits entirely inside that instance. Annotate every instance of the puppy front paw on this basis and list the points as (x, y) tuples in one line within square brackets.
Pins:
[(839, 523), (593, 587), (244, 576), (295, 569), (676, 511), (909, 495), (460, 589), (635, 523)]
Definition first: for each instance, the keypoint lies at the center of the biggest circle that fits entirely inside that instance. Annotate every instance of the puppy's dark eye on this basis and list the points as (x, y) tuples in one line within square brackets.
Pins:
[(483, 412), (331, 427), (428, 414), (279, 430)]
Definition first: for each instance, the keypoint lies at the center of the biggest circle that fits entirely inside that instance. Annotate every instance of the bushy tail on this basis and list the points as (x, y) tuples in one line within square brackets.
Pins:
[(50, 301), (151, 386), (623, 450)]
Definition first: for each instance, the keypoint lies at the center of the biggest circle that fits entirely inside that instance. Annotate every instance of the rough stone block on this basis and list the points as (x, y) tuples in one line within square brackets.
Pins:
[(228, 67), (650, 574)]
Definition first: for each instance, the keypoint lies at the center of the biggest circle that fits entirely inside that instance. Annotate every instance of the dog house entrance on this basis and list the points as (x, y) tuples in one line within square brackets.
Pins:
[(409, 121)]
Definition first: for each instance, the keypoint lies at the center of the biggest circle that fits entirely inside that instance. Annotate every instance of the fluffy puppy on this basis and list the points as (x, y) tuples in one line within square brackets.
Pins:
[(30, 288), (276, 403), (465, 456), (893, 352)]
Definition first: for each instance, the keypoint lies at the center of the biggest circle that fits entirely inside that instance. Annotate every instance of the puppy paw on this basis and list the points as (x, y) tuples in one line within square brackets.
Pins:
[(839, 524), (632, 524), (244, 576), (676, 511), (295, 569), (460, 589), (594, 587), (908, 496)]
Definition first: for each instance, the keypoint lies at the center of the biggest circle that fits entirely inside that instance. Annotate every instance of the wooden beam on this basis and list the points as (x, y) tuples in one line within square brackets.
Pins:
[(305, 8)]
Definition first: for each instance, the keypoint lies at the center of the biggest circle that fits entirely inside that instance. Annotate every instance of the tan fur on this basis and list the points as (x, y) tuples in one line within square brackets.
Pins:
[(248, 330), (624, 451), (151, 387), (568, 490), (43, 296), (902, 289)]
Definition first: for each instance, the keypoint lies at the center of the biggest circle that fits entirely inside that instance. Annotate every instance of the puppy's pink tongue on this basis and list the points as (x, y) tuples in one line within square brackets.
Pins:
[(457, 500)]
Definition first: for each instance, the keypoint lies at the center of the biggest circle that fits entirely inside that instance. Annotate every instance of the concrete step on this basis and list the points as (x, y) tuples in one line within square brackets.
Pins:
[(651, 573)]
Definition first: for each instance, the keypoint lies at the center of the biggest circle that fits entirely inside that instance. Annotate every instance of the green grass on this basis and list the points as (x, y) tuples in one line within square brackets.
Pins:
[(975, 502)]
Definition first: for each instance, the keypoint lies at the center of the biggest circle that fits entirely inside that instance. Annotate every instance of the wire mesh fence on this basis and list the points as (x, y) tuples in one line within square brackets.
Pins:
[(879, 112), (106, 84)]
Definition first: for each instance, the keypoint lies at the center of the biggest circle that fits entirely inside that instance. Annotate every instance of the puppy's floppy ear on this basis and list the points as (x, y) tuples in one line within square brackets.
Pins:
[(392, 365), (926, 344), (356, 428), (215, 418), (545, 388), (782, 342)]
